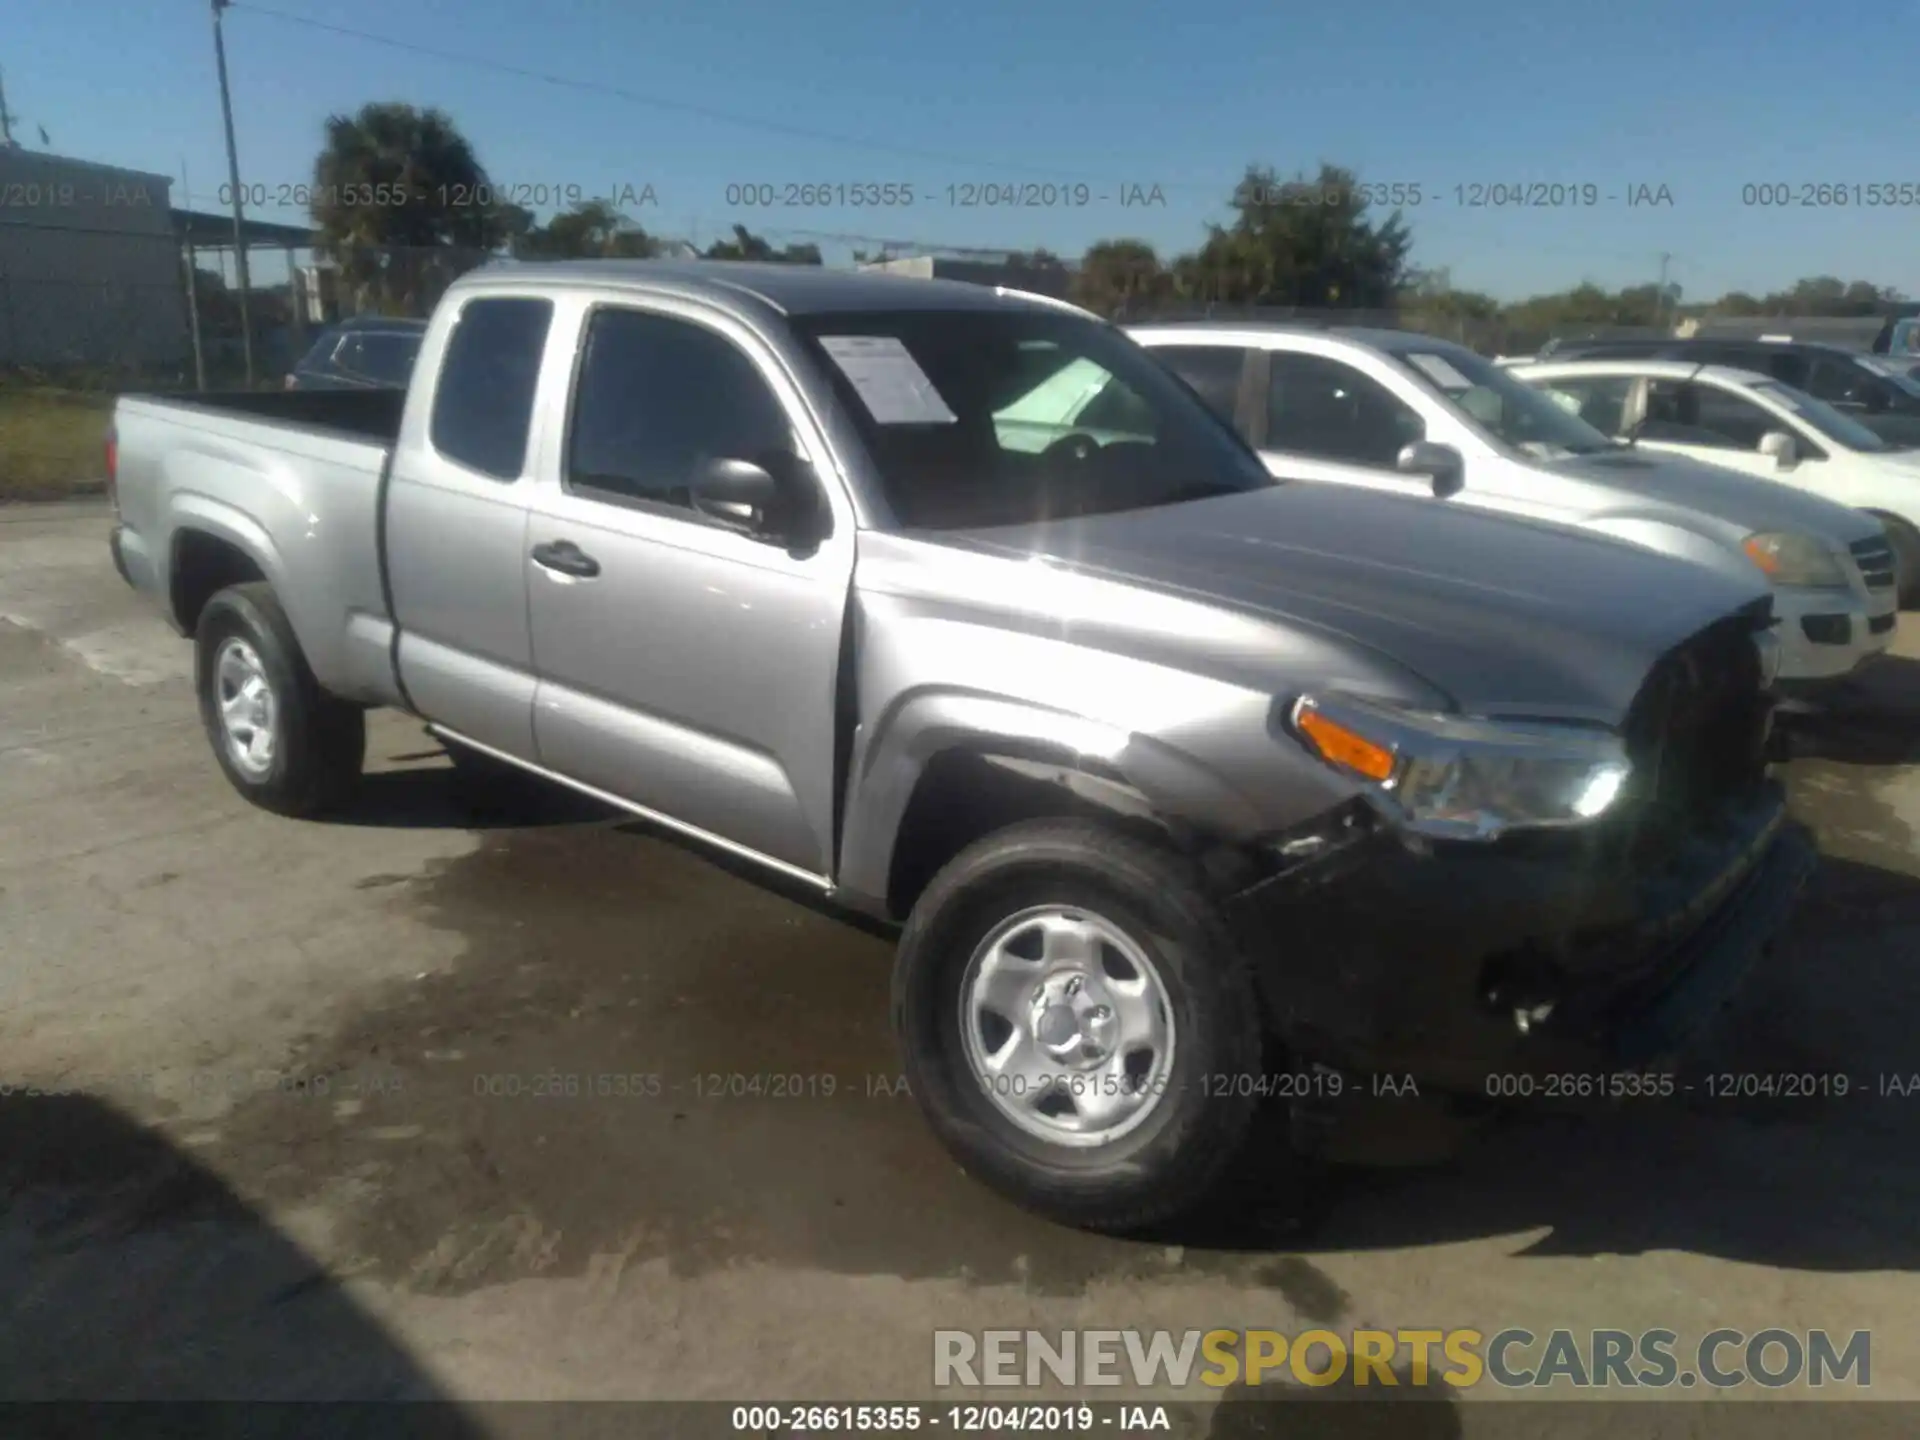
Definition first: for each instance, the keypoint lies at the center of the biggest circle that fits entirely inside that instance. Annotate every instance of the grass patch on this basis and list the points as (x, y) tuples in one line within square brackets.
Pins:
[(52, 442)]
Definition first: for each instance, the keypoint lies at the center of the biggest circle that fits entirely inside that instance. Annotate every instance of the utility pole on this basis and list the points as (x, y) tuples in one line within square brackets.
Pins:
[(6, 117), (233, 176)]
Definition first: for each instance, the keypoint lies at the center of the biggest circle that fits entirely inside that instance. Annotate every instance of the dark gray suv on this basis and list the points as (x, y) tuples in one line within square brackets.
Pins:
[(374, 352)]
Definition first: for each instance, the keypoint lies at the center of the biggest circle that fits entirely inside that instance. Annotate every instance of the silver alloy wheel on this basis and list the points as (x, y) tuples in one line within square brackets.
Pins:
[(249, 710), (1067, 1026)]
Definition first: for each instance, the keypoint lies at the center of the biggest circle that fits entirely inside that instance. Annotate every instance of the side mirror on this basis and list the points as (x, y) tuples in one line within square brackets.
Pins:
[(1442, 464), (752, 499), (1781, 448), (737, 493)]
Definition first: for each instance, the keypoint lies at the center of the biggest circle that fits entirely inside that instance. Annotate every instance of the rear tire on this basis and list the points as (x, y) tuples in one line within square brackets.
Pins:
[(282, 741), (1104, 907)]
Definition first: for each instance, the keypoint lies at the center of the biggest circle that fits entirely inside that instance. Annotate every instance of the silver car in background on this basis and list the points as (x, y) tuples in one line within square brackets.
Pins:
[(1406, 413)]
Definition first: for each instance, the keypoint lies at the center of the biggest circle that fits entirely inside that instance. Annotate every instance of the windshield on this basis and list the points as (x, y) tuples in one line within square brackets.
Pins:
[(1508, 409), (1898, 369), (1004, 417), (1821, 416)]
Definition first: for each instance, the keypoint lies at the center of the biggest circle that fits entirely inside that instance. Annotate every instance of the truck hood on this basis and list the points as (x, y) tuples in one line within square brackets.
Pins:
[(1505, 616), (1680, 490)]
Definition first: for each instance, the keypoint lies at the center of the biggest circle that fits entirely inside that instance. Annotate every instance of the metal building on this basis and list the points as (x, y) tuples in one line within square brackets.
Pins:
[(1048, 281), (90, 268)]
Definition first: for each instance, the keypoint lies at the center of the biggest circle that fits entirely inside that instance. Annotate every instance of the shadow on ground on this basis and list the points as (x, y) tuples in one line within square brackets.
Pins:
[(1341, 1411), (428, 796), (1875, 720), (641, 1058), (132, 1272)]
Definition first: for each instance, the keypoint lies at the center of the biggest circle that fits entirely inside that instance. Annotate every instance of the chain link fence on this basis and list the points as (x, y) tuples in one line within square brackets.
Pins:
[(86, 316)]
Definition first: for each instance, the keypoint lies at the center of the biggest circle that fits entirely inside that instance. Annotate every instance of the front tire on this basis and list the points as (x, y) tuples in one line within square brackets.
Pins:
[(1905, 540), (1072, 1011), (282, 741)]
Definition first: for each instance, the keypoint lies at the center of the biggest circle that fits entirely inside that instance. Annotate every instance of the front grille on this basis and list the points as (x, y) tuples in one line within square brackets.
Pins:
[(1875, 559), (1697, 736)]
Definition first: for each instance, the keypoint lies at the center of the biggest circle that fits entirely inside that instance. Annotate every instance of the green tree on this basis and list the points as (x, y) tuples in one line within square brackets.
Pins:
[(593, 230), (745, 245), (402, 204), (1121, 277), (1300, 242)]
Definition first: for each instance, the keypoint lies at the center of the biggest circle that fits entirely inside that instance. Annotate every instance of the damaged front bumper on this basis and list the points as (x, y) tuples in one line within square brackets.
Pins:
[(1459, 964)]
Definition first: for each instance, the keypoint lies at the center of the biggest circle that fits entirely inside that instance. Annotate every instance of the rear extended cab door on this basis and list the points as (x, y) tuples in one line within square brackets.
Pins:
[(455, 518), (685, 669)]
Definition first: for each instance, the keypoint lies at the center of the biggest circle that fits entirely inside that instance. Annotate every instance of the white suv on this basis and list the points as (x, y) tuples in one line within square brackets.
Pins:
[(1392, 410)]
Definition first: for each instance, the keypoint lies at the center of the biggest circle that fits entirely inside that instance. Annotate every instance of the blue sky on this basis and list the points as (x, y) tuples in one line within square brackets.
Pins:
[(1702, 97)]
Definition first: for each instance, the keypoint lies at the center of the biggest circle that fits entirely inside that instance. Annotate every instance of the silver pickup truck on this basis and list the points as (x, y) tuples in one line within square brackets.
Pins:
[(1189, 787)]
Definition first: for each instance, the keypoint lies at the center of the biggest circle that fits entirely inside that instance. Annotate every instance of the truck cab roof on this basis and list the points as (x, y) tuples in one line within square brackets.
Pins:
[(788, 289)]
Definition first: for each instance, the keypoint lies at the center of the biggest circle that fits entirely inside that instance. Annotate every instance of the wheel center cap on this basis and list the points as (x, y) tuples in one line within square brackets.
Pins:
[(1058, 1028)]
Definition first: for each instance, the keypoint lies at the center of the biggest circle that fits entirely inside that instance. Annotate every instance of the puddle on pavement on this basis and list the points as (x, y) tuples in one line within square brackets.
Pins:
[(642, 1055)]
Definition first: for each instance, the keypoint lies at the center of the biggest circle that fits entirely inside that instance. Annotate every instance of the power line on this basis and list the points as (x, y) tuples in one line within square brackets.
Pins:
[(705, 112)]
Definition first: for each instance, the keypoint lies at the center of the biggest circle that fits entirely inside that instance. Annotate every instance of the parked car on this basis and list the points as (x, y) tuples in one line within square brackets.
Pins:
[(1852, 382), (1761, 426), (1901, 365), (1180, 780), (1900, 334), (367, 352), (1392, 410)]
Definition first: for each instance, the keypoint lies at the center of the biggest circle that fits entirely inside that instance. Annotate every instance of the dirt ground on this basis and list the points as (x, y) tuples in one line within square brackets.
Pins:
[(296, 1149)]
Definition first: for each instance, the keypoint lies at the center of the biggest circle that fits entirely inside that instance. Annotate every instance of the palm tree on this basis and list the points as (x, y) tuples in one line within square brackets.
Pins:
[(402, 204)]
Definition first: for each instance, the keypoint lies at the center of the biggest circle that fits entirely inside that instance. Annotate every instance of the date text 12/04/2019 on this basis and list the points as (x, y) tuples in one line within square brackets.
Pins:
[(1467, 195), (484, 195), (969, 1419), (900, 194)]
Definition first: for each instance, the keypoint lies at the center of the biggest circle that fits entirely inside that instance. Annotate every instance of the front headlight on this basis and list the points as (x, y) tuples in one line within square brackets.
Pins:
[(1454, 778), (1789, 559)]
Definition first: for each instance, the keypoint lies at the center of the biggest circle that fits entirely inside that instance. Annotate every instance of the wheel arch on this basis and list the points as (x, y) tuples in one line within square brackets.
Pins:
[(949, 769)]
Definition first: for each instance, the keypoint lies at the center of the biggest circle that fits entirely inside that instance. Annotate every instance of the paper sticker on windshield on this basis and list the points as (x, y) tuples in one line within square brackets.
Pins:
[(896, 390), (1440, 372)]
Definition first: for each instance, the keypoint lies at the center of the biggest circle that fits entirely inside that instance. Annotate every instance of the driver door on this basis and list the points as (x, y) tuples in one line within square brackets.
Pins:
[(685, 668), (1719, 427), (1325, 420)]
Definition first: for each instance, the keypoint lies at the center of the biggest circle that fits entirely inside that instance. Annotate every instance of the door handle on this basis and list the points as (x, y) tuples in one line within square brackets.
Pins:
[(566, 558)]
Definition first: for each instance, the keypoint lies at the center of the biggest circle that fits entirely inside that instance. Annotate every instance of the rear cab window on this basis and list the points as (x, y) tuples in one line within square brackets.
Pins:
[(483, 398)]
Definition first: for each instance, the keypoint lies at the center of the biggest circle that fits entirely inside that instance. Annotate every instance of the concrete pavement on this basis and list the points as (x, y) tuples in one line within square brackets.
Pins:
[(298, 1149)]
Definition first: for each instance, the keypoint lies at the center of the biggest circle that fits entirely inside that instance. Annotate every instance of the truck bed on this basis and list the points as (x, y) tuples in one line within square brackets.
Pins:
[(357, 414), (289, 479)]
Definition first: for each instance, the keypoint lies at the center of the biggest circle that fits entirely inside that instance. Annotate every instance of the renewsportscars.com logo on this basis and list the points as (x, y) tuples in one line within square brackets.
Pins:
[(1514, 1358)]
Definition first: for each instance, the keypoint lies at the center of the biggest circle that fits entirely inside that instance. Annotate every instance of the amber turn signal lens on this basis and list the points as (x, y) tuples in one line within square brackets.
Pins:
[(1346, 748), (1762, 553)]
